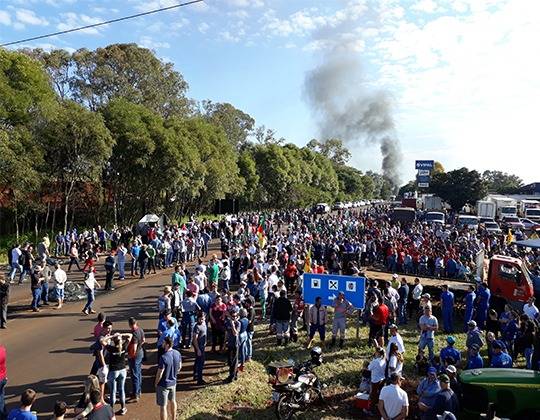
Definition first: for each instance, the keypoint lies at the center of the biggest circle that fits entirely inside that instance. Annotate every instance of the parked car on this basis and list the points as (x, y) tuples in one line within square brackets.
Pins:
[(467, 221), (528, 224), (512, 222), (338, 206), (321, 208), (492, 227)]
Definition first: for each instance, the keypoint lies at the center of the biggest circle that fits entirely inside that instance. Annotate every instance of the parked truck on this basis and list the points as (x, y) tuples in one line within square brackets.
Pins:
[(432, 203), (409, 202), (486, 209), (505, 206)]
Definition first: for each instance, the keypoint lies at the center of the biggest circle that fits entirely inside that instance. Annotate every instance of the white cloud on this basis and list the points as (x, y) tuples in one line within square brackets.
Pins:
[(245, 3), (427, 6), (235, 37), (150, 43), (203, 27), (28, 17), (5, 18), (73, 20)]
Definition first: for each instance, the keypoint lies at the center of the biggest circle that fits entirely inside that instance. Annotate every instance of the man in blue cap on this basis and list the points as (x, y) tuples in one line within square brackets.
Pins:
[(450, 351), (427, 391), (474, 360), (500, 359), (447, 307)]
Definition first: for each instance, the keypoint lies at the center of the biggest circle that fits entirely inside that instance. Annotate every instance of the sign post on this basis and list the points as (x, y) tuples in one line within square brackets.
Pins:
[(328, 286), (423, 177)]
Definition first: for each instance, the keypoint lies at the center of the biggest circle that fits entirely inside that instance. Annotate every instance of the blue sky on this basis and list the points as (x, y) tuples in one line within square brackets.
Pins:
[(462, 75)]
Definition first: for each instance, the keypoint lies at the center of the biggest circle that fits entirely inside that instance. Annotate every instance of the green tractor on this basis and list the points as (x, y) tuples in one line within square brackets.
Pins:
[(513, 393)]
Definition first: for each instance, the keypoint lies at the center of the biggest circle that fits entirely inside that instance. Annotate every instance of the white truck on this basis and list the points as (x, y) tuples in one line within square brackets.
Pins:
[(505, 206), (525, 205), (486, 209), (432, 202)]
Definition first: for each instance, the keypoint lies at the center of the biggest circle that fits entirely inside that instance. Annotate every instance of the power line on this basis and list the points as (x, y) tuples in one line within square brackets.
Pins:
[(103, 23)]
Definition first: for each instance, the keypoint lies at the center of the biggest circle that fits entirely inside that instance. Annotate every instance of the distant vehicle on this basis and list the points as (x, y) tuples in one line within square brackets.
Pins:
[(529, 224), (435, 217), (467, 221), (362, 203), (409, 202), (533, 214), (524, 205), (432, 202), (505, 206), (338, 206), (492, 227), (512, 222), (486, 219), (486, 209), (403, 214), (321, 208)]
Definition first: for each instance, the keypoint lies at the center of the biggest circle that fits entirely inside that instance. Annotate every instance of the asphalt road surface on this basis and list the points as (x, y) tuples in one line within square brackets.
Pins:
[(49, 351)]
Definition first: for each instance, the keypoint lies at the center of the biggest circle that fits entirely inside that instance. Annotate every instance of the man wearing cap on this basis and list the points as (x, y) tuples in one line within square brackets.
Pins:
[(500, 359), (416, 296), (455, 385), (469, 306), (427, 391), (394, 401), (341, 307), (450, 351), (395, 337), (447, 307), (474, 335), (428, 325), (445, 401), (474, 360), (425, 300)]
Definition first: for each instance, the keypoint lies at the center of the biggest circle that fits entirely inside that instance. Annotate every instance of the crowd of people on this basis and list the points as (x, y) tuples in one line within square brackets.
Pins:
[(215, 301)]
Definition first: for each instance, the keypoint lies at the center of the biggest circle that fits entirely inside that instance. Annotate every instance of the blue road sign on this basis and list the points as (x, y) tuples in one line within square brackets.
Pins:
[(424, 164), (423, 179), (327, 286)]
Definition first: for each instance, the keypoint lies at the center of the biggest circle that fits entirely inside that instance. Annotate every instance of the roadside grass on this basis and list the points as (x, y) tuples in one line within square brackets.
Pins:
[(249, 397)]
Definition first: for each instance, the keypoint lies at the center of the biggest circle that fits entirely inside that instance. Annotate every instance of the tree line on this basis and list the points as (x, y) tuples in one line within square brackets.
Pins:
[(108, 135)]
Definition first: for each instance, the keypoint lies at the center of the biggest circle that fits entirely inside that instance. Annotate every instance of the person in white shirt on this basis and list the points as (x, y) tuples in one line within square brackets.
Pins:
[(530, 309), (377, 368), (15, 256), (416, 295), (395, 337), (393, 401), (60, 278)]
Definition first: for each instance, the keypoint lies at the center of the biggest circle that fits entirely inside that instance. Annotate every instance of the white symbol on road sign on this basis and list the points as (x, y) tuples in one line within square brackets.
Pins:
[(351, 286), (332, 297), (332, 284), (315, 283), (423, 172)]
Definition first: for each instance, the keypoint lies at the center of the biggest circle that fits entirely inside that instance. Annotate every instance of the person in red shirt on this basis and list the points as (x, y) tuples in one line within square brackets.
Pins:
[(290, 274), (3, 381), (379, 319)]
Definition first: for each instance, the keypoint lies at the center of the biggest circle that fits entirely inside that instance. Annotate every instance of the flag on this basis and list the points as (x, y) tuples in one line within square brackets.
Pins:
[(307, 262), (262, 239), (509, 238), (534, 236)]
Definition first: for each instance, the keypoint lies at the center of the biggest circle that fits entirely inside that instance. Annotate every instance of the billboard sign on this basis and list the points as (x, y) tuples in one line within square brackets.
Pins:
[(423, 185), (422, 179), (424, 172), (327, 286), (424, 164)]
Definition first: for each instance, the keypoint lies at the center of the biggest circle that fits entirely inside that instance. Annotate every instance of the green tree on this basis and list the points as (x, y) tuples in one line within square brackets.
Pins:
[(120, 71), (59, 65), (237, 124), (501, 182), (77, 146), (248, 171), (334, 149), (351, 182), (459, 187)]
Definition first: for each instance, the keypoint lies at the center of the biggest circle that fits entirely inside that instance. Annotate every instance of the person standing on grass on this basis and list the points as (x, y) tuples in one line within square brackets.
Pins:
[(169, 365), (23, 412), (262, 288), (470, 297), (232, 328), (342, 307), (393, 400), (199, 345), (249, 304), (60, 278), (135, 353), (318, 315), (428, 325), (281, 313), (90, 284), (447, 308)]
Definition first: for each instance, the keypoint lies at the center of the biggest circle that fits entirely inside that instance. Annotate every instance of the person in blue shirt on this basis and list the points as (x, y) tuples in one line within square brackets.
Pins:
[(427, 390), (450, 351), (447, 306), (469, 306), (24, 411), (475, 360), (483, 297), (134, 252), (510, 331), (500, 359)]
